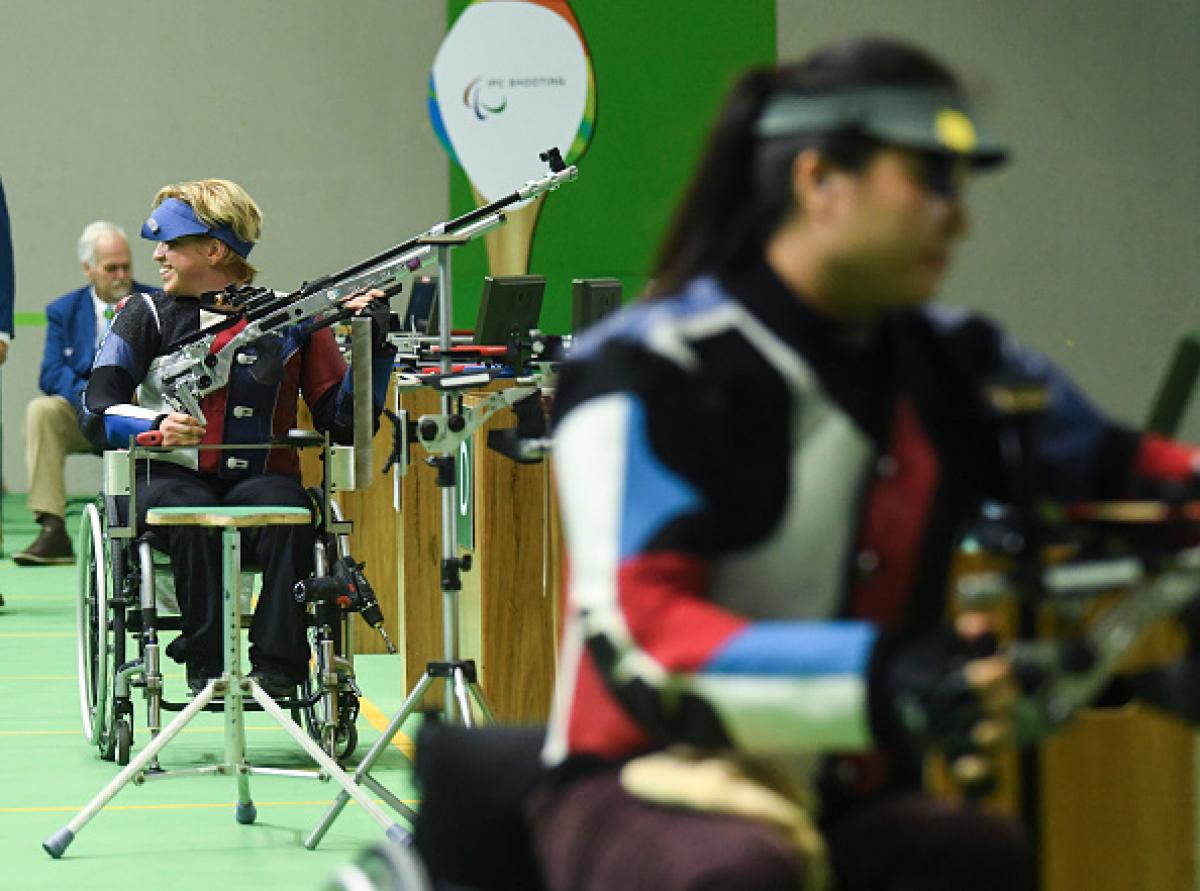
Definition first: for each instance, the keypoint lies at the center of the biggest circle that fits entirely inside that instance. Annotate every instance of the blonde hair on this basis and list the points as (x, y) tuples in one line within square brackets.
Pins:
[(216, 202)]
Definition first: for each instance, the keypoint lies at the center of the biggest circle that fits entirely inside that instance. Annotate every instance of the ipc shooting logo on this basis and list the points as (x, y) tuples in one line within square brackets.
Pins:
[(488, 96), (481, 97)]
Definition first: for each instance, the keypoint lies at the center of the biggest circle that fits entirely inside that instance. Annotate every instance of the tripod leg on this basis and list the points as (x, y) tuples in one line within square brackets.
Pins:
[(477, 695), (56, 844), (460, 695), (330, 766), (385, 739)]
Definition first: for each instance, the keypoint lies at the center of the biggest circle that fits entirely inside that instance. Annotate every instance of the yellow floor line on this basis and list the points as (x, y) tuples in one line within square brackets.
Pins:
[(380, 721), (273, 728), (179, 807), (63, 677), (370, 711)]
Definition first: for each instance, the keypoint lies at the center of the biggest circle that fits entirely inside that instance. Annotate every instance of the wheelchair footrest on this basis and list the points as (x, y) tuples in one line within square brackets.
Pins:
[(248, 704)]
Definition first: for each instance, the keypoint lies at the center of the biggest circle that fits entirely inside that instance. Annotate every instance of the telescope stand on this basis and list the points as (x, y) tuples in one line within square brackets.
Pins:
[(459, 676), (232, 686)]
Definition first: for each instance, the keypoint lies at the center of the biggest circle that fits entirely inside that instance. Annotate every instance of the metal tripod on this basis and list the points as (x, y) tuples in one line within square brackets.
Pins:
[(231, 685), (458, 675)]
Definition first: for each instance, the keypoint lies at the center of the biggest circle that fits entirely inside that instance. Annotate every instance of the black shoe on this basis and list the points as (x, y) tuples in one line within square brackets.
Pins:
[(1, 600), (51, 547), (198, 676), (276, 684)]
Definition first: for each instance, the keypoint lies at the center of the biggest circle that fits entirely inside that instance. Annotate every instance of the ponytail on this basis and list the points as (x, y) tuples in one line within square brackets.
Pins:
[(742, 188), (713, 224)]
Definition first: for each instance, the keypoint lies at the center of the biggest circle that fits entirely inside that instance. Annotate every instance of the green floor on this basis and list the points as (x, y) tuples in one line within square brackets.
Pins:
[(178, 831)]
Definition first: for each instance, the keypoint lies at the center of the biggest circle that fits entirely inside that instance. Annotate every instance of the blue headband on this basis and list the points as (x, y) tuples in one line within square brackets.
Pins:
[(174, 219)]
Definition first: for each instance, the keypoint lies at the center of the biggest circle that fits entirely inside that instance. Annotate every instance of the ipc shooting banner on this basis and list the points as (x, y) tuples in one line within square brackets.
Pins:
[(511, 79)]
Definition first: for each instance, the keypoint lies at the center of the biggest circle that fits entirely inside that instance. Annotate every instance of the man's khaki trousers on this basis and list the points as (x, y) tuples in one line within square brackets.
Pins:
[(51, 433)]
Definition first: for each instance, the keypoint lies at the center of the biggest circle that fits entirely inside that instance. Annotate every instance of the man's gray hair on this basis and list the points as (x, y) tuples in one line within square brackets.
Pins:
[(92, 233)]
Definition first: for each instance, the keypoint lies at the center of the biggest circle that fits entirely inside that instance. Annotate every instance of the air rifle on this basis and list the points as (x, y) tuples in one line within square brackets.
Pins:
[(193, 369)]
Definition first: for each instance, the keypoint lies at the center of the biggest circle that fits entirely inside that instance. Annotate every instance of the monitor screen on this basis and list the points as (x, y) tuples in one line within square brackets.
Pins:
[(592, 299), (510, 303), (422, 305), (1176, 386)]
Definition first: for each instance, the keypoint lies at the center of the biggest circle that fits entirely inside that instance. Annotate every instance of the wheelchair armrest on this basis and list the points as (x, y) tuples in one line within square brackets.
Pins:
[(299, 438)]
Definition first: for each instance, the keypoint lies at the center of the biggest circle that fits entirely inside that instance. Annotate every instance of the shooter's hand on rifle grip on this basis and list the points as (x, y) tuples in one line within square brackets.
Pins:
[(360, 300), (949, 690), (374, 305), (971, 756), (179, 429)]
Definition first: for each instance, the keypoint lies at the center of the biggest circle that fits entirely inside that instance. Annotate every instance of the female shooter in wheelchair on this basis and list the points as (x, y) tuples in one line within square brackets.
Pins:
[(764, 471), (204, 231)]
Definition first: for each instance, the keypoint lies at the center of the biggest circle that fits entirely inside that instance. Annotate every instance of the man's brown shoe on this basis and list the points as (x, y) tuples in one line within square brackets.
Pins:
[(52, 546)]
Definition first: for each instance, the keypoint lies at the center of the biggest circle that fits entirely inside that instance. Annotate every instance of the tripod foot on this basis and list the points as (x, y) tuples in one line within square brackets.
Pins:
[(57, 843), (246, 812), (399, 834)]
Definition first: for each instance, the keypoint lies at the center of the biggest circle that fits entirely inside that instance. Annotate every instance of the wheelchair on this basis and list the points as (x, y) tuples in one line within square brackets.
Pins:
[(125, 600)]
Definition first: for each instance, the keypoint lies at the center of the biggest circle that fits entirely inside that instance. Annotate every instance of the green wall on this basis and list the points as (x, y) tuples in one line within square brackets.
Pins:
[(661, 70)]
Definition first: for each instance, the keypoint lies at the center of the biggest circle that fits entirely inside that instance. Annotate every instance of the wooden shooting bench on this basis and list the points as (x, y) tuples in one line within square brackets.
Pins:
[(509, 600)]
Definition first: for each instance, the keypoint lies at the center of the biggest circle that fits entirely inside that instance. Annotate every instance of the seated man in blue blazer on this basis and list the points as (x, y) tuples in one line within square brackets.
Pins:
[(76, 323), (7, 287)]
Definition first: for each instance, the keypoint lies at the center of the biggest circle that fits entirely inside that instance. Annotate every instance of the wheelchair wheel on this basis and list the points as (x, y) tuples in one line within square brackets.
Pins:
[(93, 620), (387, 866), (339, 736), (122, 739), (336, 733)]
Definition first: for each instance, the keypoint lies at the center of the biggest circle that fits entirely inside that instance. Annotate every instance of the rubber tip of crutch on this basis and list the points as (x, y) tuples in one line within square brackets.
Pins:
[(246, 813), (57, 843), (399, 834)]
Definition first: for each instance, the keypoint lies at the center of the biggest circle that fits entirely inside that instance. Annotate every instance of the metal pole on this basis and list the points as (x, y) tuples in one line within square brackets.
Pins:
[(450, 584), (364, 407), (235, 722)]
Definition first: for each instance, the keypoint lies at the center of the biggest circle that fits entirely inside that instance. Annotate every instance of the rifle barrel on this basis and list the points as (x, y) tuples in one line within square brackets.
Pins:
[(532, 188)]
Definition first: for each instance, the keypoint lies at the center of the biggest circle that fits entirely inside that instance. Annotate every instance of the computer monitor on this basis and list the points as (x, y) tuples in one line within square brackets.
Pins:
[(592, 299), (422, 305), (510, 303), (1176, 386)]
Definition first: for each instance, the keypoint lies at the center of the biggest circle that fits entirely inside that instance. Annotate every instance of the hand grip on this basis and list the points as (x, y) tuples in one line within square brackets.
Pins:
[(149, 438)]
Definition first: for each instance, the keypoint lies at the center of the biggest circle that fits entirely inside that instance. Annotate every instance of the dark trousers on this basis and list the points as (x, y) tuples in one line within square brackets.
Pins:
[(590, 835), (284, 553), (912, 842)]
